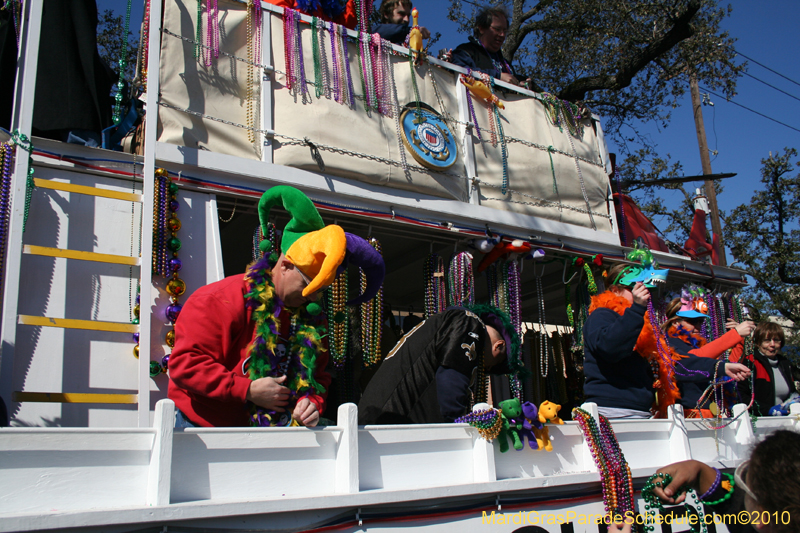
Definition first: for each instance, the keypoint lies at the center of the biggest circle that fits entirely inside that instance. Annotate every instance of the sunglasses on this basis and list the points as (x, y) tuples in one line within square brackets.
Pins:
[(738, 477), (305, 278), (317, 294)]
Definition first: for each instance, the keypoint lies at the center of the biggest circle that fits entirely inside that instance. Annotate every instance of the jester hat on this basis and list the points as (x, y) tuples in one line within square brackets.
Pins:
[(319, 251), (305, 217), (693, 302)]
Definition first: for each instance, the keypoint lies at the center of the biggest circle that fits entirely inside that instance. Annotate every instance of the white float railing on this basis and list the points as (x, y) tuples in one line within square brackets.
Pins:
[(53, 470)]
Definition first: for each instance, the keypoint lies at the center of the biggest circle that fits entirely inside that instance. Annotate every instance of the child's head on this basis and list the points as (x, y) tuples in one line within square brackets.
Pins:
[(772, 475)]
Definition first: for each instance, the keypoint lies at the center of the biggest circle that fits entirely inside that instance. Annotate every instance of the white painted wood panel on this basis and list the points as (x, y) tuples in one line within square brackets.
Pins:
[(413, 456), (56, 470), (77, 361), (229, 464)]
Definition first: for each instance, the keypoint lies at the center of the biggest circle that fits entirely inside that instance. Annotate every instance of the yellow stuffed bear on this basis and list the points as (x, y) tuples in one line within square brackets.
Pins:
[(548, 412)]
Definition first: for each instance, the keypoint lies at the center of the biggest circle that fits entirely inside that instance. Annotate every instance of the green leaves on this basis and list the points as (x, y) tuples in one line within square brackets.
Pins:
[(764, 237), (628, 60)]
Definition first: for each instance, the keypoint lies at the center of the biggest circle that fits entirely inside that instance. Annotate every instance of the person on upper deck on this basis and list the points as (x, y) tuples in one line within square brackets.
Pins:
[(331, 10), (431, 374), (394, 21), (248, 350), (697, 369), (484, 52), (775, 377)]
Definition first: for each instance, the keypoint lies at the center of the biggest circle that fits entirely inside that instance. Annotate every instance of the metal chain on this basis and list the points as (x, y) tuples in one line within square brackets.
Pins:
[(539, 201), (398, 127), (553, 150), (295, 141), (341, 151), (221, 52), (448, 116), (580, 174)]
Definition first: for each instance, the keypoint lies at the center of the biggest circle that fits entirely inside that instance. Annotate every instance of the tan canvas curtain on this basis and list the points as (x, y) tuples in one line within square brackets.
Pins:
[(551, 173)]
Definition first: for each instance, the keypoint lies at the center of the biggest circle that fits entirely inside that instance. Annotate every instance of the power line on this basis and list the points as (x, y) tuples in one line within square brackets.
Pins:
[(766, 67), (770, 85), (751, 110)]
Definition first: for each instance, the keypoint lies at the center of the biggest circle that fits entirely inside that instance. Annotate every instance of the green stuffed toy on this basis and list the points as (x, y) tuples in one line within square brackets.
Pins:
[(512, 424)]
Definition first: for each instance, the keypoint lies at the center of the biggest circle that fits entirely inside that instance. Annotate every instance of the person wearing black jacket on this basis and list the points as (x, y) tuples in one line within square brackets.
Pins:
[(394, 25), (484, 51), (430, 375), (771, 387)]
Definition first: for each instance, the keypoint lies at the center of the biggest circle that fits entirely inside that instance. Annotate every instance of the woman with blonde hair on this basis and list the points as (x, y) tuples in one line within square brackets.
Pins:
[(698, 358)]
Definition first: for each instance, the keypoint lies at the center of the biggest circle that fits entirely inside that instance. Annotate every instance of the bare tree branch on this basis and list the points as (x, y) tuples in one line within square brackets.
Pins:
[(681, 30), (532, 12)]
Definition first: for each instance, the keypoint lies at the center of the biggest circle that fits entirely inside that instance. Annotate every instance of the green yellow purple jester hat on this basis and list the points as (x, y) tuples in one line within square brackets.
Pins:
[(312, 247), (318, 251), (305, 217)]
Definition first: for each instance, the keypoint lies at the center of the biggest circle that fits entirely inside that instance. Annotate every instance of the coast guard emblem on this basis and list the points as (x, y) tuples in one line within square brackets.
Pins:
[(428, 138)]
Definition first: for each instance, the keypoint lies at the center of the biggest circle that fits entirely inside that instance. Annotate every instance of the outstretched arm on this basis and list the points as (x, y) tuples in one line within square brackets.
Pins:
[(694, 474)]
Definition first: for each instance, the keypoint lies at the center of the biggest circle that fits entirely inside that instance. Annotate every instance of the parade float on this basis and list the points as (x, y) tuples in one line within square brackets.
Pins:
[(470, 193)]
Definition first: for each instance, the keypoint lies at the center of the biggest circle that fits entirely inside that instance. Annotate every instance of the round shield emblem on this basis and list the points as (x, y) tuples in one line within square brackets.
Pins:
[(428, 138)]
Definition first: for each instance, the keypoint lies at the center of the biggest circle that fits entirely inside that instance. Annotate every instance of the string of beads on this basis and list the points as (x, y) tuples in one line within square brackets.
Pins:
[(544, 351), (145, 43), (337, 320), (653, 502), (123, 64), (615, 474), (514, 310), (488, 422), (7, 153), (461, 280), (435, 293), (371, 319), (166, 263)]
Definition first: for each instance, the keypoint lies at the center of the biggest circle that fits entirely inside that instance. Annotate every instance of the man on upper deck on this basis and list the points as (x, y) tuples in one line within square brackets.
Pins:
[(394, 24), (484, 52), (248, 348)]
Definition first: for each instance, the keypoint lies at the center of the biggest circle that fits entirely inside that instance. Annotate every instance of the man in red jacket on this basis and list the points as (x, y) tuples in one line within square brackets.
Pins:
[(247, 348)]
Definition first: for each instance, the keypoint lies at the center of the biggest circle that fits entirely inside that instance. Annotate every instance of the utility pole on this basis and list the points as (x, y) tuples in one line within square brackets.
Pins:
[(711, 194)]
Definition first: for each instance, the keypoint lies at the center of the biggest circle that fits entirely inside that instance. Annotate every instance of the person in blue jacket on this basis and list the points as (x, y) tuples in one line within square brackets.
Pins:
[(618, 378), (698, 367), (394, 21)]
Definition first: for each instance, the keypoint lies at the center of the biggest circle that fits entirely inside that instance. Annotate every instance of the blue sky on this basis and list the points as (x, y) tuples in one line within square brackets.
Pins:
[(766, 31)]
